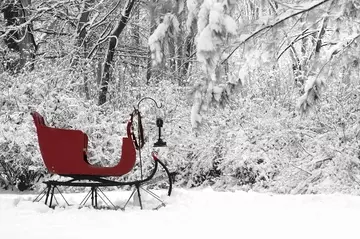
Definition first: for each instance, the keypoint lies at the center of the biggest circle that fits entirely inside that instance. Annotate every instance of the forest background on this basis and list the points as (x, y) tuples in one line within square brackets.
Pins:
[(257, 95)]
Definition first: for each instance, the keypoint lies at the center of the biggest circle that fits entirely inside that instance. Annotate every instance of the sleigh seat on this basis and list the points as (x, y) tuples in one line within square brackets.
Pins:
[(64, 152)]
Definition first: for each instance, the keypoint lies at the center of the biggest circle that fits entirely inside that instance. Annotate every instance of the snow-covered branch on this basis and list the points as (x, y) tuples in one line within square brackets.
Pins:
[(214, 25), (277, 22), (170, 23)]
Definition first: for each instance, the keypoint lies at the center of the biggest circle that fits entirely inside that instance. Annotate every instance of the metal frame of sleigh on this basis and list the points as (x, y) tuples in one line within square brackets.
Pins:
[(64, 153)]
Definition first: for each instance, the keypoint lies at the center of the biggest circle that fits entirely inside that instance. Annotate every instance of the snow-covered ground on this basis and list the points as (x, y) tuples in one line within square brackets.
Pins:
[(201, 213)]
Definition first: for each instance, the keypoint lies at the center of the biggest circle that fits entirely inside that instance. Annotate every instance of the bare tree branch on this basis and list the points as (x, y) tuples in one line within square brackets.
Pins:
[(273, 25)]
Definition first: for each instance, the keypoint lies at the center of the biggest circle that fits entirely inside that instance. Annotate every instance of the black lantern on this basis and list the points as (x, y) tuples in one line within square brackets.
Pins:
[(160, 142)]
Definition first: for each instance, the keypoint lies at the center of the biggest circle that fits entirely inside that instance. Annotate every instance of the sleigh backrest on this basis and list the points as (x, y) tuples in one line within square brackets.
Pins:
[(62, 150), (38, 119)]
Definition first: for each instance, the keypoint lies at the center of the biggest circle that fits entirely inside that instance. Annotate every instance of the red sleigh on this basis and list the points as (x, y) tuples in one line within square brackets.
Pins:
[(64, 153)]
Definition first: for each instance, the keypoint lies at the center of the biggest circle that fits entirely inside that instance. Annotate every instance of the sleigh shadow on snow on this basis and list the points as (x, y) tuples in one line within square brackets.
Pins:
[(64, 153)]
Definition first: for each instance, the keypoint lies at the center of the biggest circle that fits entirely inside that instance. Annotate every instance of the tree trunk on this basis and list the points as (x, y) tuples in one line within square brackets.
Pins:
[(20, 40), (111, 50), (172, 53), (180, 58), (136, 42), (98, 72), (315, 65), (82, 31), (27, 45), (152, 29), (81, 41), (189, 47)]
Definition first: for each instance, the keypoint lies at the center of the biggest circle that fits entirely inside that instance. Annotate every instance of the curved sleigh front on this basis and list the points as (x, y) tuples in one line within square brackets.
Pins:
[(64, 152)]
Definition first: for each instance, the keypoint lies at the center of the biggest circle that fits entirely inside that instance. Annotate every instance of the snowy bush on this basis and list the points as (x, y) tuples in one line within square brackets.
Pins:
[(257, 141), (260, 142)]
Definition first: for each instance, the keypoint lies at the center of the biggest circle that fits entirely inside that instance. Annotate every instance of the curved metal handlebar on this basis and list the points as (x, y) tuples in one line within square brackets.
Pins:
[(149, 98)]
